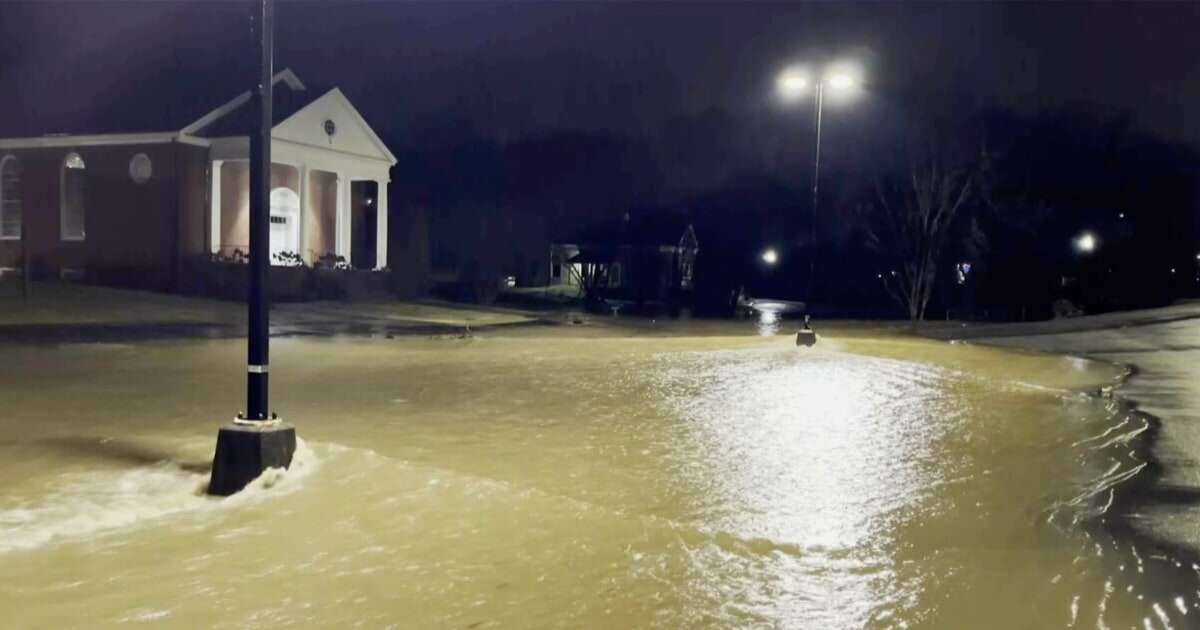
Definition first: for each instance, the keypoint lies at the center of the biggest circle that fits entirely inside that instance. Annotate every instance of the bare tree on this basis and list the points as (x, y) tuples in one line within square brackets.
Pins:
[(592, 279), (911, 222)]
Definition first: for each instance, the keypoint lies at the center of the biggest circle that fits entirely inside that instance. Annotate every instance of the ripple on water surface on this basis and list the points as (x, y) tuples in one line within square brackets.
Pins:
[(619, 483)]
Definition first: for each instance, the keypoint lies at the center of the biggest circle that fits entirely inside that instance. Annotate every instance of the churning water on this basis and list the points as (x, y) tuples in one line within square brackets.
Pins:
[(562, 479)]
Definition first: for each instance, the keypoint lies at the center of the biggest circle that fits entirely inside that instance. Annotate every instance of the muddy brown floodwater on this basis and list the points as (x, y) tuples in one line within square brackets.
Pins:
[(557, 478)]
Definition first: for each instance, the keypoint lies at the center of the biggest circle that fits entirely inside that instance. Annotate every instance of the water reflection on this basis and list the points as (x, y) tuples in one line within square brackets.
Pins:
[(813, 457), (768, 323)]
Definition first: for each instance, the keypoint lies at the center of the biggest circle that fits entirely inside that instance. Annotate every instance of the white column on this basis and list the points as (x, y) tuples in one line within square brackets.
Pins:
[(303, 227), (214, 210), (342, 238), (381, 224)]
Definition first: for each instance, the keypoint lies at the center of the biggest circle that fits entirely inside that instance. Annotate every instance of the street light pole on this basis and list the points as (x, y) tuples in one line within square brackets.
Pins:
[(256, 440), (812, 257), (790, 84), (258, 304)]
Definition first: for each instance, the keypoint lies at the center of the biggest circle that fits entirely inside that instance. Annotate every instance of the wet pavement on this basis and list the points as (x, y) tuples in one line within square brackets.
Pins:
[(43, 334), (96, 315)]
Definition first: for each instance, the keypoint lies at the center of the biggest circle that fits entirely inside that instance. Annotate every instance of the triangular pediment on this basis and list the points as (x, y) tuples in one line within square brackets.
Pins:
[(332, 122)]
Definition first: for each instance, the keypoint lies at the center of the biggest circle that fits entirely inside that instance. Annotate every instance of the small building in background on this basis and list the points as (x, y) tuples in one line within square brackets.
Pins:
[(649, 258)]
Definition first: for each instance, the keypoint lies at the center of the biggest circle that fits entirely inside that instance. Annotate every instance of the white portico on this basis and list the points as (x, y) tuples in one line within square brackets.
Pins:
[(329, 178)]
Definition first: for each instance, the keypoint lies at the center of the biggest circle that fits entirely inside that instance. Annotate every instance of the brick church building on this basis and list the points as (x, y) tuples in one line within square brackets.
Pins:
[(138, 208)]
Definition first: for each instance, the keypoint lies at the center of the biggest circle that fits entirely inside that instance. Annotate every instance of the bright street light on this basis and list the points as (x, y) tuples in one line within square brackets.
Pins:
[(841, 81), (794, 81), (791, 84), (770, 256), (1086, 243)]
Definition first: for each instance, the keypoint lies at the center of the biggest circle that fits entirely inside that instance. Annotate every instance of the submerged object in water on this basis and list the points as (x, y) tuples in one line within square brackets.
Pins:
[(806, 336), (247, 448)]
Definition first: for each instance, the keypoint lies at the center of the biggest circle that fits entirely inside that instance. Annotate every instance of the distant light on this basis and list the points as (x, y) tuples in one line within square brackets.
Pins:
[(370, 202), (791, 83), (770, 256), (841, 81), (964, 270), (1172, 270), (1086, 243), (1121, 216), (510, 281)]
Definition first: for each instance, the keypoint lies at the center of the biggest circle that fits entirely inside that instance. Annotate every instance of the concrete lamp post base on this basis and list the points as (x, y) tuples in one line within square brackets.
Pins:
[(245, 449), (806, 336)]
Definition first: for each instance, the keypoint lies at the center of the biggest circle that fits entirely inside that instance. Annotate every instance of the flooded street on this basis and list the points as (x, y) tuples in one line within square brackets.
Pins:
[(579, 478), (1165, 353)]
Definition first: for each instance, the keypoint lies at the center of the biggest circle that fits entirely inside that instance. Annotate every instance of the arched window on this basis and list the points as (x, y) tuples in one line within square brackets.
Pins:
[(71, 198), (10, 198)]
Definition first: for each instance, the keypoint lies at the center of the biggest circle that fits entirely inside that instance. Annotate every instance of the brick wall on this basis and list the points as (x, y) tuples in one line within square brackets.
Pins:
[(130, 228)]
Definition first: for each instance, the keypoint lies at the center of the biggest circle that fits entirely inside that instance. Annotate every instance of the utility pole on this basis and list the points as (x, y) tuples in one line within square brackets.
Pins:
[(812, 256), (257, 439)]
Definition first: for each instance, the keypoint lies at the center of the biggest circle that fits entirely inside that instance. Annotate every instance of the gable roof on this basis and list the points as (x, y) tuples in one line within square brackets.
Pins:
[(290, 100), (237, 116)]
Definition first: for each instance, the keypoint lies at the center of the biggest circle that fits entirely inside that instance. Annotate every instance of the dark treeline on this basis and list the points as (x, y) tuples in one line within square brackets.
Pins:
[(1037, 181), (1059, 173)]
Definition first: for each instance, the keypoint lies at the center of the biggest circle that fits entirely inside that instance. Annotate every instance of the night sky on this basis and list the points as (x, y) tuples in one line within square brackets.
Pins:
[(513, 68)]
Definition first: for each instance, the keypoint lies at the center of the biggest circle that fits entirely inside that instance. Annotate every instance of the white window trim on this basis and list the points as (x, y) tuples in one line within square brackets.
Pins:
[(62, 200), (67, 141), (4, 160)]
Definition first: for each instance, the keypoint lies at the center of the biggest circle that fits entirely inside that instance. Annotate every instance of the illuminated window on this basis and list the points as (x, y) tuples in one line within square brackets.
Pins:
[(964, 271), (71, 198), (10, 198)]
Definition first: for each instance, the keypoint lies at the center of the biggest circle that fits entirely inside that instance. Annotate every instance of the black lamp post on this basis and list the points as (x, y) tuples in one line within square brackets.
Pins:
[(256, 440)]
